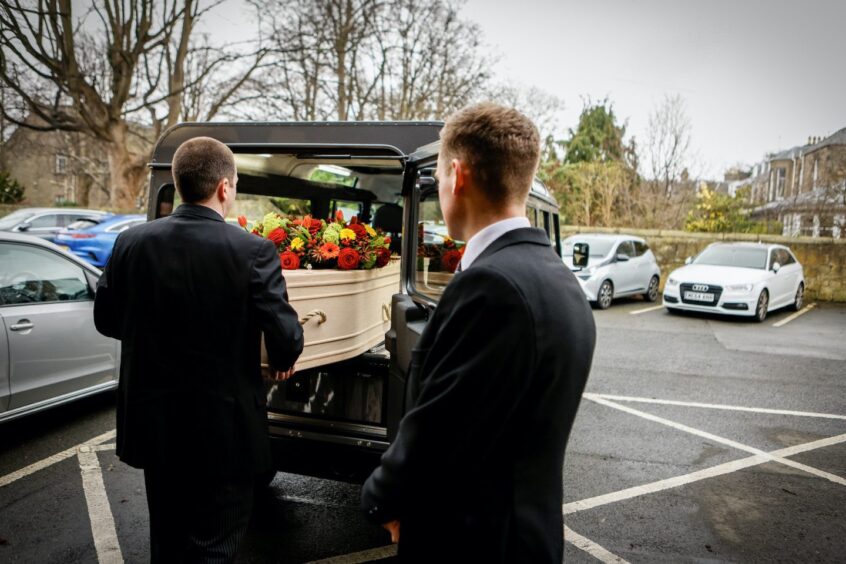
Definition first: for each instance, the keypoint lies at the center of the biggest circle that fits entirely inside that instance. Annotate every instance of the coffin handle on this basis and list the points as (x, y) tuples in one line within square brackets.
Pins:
[(314, 313), (386, 312)]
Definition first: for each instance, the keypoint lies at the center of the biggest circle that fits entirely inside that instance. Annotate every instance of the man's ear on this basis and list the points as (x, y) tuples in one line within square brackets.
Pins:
[(460, 173), (220, 191)]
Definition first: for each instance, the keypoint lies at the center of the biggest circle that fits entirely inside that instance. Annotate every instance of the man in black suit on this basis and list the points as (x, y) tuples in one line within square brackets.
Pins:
[(475, 472), (188, 296)]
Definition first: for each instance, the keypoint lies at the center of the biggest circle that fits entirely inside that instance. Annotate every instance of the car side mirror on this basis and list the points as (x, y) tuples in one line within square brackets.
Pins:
[(24, 226), (622, 258), (776, 267), (688, 260), (581, 252)]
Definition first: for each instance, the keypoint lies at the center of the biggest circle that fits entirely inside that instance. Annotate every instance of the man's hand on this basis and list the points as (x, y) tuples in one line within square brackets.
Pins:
[(393, 527), (282, 375)]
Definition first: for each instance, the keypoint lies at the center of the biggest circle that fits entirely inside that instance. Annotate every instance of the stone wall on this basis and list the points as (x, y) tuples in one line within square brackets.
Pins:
[(824, 259)]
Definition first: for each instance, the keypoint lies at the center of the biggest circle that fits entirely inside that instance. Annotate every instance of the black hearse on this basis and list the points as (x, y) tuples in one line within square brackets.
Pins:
[(335, 421)]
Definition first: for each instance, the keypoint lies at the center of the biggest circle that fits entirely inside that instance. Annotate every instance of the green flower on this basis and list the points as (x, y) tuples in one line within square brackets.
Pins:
[(270, 222), (331, 236)]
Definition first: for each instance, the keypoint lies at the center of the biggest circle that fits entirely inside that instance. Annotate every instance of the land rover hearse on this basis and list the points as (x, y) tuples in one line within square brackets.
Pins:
[(334, 420)]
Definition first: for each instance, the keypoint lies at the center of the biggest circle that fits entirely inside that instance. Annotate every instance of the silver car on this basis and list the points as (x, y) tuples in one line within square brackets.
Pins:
[(50, 352), (47, 222), (618, 265)]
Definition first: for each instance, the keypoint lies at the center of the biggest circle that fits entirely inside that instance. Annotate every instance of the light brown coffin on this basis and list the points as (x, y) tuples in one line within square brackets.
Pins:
[(344, 313)]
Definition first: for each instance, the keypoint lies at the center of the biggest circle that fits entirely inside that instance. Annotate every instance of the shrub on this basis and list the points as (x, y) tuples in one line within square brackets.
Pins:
[(11, 191)]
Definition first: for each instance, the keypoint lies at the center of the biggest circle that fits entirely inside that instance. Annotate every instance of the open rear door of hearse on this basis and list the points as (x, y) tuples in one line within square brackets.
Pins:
[(428, 264)]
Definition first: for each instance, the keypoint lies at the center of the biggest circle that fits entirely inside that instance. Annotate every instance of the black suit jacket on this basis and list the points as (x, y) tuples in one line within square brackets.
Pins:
[(188, 297), (476, 466)]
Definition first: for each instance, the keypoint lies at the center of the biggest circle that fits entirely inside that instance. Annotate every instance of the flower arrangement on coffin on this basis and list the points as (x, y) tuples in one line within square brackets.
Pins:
[(314, 243), (442, 257)]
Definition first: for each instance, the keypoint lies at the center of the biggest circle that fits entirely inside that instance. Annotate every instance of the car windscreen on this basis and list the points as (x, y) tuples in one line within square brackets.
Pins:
[(85, 223), (742, 257), (14, 218), (598, 247)]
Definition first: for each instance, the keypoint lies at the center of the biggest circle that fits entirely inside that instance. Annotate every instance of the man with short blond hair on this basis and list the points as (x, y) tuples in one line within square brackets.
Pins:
[(475, 471), (189, 296)]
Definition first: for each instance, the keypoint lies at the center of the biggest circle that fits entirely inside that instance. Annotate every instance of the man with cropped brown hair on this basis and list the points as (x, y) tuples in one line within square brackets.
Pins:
[(189, 297), (199, 165), (475, 471), (499, 144)]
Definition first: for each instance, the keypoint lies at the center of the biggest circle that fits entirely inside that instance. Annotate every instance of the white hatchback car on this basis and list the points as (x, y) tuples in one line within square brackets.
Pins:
[(747, 279), (618, 265)]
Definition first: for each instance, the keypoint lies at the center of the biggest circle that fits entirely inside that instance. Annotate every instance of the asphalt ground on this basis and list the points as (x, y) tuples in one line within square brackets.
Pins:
[(701, 439)]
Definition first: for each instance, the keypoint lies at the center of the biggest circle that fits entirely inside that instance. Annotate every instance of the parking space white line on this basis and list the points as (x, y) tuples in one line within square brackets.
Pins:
[(50, 460), (100, 513), (811, 470), (674, 425), (723, 440), (813, 445), (790, 318), (719, 406), (661, 485), (358, 557), (101, 448), (647, 310), (591, 547)]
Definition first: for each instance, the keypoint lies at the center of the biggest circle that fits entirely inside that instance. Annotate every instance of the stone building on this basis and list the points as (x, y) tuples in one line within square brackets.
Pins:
[(61, 167), (805, 188)]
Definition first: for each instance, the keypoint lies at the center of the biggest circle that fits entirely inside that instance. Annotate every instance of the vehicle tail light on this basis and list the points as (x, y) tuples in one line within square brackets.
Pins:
[(83, 235)]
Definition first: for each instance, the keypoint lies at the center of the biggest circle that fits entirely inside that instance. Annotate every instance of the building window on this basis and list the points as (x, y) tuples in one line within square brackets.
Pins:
[(781, 174), (816, 173), (61, 164)]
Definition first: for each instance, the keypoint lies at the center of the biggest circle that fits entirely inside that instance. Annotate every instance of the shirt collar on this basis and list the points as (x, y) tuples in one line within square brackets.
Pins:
[(481, 240)]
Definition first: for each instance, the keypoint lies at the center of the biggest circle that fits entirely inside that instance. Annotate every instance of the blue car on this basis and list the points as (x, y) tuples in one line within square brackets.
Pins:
[(93, 242)]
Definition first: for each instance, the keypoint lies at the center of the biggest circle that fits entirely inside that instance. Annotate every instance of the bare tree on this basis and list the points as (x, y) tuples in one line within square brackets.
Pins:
[(437, 61), (540, 106), (668, 142), (120, 63), (668, 191), (369, 59)]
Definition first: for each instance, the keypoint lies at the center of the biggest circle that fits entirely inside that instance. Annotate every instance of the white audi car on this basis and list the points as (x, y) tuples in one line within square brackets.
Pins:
[(748, 279), (618, 265)]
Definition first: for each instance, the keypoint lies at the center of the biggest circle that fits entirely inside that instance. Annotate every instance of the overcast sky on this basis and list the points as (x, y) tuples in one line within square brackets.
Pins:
[(756, 75)]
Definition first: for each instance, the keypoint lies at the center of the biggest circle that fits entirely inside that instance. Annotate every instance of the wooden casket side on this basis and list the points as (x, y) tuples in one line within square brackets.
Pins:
[(348, 312)]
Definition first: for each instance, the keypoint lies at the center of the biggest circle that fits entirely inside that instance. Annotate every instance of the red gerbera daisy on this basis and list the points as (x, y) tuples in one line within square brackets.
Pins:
[(329, 251)]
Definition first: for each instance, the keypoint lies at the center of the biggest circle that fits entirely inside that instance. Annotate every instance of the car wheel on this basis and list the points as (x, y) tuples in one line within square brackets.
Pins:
[(799, 300), (652, 290), (761, 307), (605, 295)]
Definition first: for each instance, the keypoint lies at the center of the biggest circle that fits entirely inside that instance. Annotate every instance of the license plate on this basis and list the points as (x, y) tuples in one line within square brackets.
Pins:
[(698, 297)]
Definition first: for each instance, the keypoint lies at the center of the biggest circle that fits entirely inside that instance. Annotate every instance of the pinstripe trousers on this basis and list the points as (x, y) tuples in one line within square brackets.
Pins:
[(194, 520)]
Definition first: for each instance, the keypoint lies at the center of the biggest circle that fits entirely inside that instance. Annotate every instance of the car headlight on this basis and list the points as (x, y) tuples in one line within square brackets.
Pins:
[(745, 288), (672, 282)]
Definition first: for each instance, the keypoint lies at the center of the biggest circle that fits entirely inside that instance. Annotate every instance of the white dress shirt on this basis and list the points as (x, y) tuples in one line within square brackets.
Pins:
[(481, 240)]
